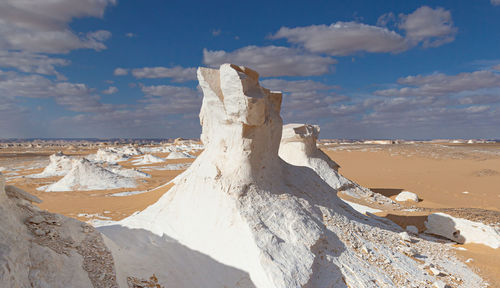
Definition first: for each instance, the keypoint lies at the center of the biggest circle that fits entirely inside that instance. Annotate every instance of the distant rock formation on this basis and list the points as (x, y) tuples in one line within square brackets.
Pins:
[(281, 225), (85, 175), (298, 147), (59, 165)]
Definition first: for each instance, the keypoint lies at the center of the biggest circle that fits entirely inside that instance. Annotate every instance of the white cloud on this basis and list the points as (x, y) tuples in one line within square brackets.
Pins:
[(216, 32), (495, 2), (497, 67), (120, 72), (442, 84), (171, 99), (343, 38), (110, 90), (385, 19), (177, 73), (31, 63), (42, 26), (130, 35), (75, 96), (272, 61), (305, 100), (432, 27)]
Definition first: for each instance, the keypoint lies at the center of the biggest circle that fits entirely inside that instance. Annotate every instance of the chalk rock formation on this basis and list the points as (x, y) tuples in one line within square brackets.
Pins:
[(108, 156), (298, 147), (148, 159), (282, 225), (59, 165), (407, 196), (462, 230), (179, 155), (40, 249), (85, 175)]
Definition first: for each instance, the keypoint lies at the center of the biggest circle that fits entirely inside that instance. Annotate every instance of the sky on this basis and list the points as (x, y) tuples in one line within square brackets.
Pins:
[(360, 69)]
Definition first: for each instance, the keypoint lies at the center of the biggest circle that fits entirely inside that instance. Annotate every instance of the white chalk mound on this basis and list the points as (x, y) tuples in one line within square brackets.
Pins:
[(266, 222), (85, 175), (130, 173), (148, 159), (59, 165), (40, 249), (298, 147), (109, 156), (407, 196), (462, 230), (179, 155)]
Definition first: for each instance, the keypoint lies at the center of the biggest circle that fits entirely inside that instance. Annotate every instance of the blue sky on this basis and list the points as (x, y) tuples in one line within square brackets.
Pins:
[(359, 69)]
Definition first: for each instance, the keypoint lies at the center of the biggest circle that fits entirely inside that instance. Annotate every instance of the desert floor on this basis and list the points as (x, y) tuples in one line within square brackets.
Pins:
[(461, 180)]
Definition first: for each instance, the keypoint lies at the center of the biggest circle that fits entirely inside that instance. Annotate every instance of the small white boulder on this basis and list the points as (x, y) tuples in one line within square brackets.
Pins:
[(407, 196)]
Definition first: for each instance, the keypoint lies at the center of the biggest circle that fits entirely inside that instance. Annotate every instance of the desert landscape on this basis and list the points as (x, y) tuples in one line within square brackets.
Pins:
[(436, 203), (270, 144)]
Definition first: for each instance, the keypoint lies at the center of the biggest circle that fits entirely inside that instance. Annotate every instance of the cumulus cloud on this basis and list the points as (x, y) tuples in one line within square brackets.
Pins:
[(432, 27), (306, 100), (110, 90), (31, 63), (343, 38), (171, 99), (442, 84), (75, 96), (42, 26), (177, 73), (120, 72), (272, 61)]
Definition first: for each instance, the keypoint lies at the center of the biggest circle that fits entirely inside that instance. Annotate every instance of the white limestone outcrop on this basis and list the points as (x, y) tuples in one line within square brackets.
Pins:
[(59, 165), (39, 249), (277, 224), (298, 147), (148, 159), (404, 196), (462, 230), (85, 175)]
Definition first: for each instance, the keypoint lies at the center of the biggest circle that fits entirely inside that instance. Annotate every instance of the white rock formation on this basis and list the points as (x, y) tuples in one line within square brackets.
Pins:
[(130, 173), (108, 156), (298, 147), (462, 230), (279, 224), (40, 249), (179, 155), (85, 175), (59, 165), (407, 196), (148, 159)]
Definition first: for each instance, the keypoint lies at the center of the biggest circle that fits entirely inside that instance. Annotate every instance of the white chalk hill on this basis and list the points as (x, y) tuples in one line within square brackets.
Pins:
[(278, 225), (59, 165), (85, 175)]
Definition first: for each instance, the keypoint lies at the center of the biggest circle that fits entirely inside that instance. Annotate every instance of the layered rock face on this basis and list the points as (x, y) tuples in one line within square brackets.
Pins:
[(40, 249), (282, 225)]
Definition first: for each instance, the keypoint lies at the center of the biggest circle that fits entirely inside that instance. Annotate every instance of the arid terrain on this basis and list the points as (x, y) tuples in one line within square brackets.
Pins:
[(458, 179)]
